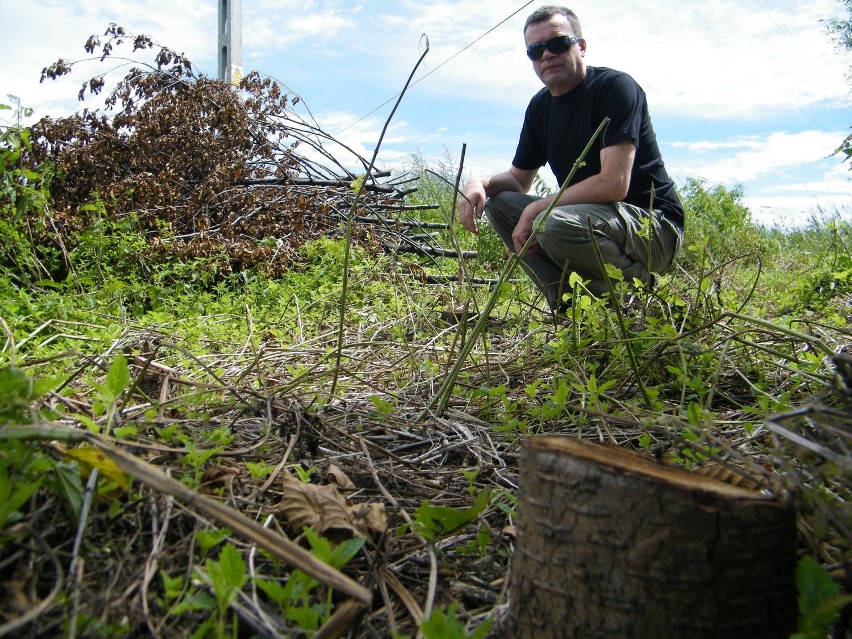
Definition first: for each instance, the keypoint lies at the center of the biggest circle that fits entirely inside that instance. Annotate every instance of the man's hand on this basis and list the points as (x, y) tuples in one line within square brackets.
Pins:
[(472, 204), (523, 229)]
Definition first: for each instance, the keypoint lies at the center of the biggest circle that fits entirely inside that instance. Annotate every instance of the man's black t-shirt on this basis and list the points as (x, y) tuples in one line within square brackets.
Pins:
[(557, 129)]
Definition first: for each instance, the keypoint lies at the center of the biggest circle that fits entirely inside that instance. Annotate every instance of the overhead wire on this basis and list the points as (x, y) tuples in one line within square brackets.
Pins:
[(706, 24), (444, 63), (784, 31), (767, 9)]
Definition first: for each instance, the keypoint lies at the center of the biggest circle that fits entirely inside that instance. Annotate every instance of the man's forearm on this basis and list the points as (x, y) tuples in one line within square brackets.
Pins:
[(592, 190), (506, 181)]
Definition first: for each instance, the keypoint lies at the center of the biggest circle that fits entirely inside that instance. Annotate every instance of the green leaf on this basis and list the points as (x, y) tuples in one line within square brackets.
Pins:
[(820, 600), (172, 586), (13, 494), (196, 601), (441, 625), (18, 390), (431, 521), (117, 378), (274, 590), (208, 539), (306, 618), (205, 629), (345, 551), (320, 546), (815, 585), (228, 574), (88, 423), (382, 406), (233, 566), (613, 272), (69, 486)]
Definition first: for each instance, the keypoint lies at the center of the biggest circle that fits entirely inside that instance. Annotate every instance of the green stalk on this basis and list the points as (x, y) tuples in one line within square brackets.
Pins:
[(442, 396), (622, 325), (338, 356), (808, 339)]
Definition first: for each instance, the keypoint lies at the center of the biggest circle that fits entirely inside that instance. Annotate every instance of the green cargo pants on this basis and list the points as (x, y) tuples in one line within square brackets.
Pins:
[(564, 244)]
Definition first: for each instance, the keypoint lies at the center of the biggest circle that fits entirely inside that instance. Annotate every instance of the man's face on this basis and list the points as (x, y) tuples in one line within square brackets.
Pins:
[(559, 72)]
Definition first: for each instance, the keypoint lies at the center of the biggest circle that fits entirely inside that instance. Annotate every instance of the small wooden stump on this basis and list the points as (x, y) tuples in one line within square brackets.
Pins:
[(611, 544)]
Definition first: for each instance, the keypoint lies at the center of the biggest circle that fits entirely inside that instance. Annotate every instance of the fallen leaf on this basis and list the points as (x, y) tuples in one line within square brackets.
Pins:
[(94, 458), (334, 475), (325, 510)]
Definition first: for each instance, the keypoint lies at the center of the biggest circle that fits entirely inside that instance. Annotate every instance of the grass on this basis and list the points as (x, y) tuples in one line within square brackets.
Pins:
[(143, 401)]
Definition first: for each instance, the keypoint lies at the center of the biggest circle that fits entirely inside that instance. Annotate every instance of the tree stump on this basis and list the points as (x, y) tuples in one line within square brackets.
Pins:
[(612, 544)]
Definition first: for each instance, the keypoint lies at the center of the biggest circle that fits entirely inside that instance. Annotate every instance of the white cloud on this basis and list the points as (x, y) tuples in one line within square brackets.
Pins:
[(721, 59), (754, 157), (267, 32), (797, 210), (41, 32)]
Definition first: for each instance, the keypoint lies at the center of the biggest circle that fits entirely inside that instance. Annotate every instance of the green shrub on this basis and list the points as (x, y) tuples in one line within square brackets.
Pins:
[(24, 191), (719, 227)]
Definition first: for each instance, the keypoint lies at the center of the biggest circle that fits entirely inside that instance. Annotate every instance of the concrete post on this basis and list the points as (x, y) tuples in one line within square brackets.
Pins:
[(230, 41)]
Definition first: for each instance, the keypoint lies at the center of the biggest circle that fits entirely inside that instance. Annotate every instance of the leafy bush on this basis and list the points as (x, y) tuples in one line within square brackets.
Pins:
[(24, 195), (719, 227)]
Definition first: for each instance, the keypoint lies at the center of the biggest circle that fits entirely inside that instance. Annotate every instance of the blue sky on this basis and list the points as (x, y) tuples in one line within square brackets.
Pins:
[(741, 92)]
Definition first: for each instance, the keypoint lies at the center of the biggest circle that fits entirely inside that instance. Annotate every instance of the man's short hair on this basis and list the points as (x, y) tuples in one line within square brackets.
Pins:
[(546, 13)]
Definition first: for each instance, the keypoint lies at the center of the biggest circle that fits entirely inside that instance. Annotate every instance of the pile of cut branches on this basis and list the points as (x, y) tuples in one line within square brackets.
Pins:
[(204, 169)]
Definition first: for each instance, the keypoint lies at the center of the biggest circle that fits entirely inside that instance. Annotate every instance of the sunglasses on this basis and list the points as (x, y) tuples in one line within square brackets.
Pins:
[(557, 45)]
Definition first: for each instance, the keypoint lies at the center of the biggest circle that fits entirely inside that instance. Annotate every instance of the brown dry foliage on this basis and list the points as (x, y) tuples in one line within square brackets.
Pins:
[(206, 170)]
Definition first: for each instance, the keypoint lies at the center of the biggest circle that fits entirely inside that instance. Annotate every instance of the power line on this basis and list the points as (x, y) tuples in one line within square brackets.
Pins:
[(448, 60), (782, 29), (706, 24), (767, 8)]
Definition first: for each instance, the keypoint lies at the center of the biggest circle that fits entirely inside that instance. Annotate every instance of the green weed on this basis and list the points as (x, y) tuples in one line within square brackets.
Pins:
[(301, 599), (432, 521), (820, 600), (447, 625)]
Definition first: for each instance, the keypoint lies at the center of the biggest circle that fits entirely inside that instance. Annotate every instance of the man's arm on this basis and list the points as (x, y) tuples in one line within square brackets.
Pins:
[(477, 190), (610, 185)]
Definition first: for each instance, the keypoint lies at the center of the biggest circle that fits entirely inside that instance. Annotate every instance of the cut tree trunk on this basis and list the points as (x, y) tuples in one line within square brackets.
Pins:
[(613, 544)]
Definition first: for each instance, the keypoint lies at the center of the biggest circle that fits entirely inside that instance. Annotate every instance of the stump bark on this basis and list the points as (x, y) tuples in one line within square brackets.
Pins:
[(613, 544)]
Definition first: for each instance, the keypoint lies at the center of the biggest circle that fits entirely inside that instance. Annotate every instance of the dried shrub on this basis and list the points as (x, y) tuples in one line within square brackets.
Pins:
[(202, 168)]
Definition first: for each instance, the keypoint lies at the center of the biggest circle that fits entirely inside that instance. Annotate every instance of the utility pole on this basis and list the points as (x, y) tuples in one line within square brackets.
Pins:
[(230, 41)]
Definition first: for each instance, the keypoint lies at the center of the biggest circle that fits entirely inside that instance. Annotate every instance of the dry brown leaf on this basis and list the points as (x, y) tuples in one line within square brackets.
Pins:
[(324, 509), (334, 475), (370, 516), (15, 598)]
